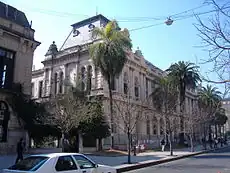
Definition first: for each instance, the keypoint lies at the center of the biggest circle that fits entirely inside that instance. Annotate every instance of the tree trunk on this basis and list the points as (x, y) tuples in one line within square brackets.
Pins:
[(205, 146), (170, 144), (77, 142), (216, 134), (99, 144), (62, 142), (111, 113), (220, 130), (129, 148), (191, 143), (181, 135)]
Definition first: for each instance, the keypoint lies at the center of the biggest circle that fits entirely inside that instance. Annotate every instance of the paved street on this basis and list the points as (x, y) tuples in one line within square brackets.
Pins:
[(207, 163)]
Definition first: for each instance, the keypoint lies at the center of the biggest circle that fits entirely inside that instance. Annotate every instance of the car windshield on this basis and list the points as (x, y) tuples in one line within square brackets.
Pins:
[(30, 163)]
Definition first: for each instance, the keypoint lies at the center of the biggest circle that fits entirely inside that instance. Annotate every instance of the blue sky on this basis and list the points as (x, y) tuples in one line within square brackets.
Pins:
[(161, 44)]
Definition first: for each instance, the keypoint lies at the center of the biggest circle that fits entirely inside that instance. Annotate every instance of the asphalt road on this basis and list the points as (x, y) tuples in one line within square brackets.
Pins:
[(208, 163)]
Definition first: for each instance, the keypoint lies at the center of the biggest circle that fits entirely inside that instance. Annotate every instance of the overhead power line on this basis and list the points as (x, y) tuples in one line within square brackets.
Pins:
[(174, 17), (182, 18)]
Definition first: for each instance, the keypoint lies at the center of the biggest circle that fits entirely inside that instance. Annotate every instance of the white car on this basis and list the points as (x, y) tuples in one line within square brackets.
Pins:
[(58, 163)]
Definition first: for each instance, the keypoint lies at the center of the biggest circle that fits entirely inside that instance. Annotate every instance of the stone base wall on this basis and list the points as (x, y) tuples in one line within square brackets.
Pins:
[(10, 146)]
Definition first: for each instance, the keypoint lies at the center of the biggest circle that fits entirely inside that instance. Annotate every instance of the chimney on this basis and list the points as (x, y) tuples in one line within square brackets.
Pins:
[(6, 10)]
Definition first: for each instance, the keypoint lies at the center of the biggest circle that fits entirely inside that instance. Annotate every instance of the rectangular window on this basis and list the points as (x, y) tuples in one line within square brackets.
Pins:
[(6, 68), (125, 88), (147, 88), (148, 126), (136, 90), (40, 89), (113, 83), (65, 163), (83, 162), (152, 85)]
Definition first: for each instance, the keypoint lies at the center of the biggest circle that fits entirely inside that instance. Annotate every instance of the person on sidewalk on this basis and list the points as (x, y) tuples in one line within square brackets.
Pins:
[(20, 148), (163, 145)]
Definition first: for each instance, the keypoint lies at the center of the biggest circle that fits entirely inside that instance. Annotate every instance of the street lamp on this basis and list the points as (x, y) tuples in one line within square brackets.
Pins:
[(169, 21)]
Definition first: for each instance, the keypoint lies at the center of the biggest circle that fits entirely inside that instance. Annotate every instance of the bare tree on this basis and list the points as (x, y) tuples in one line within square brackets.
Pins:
[(192, 124), (215, 34), (165, 100), (129, 112)]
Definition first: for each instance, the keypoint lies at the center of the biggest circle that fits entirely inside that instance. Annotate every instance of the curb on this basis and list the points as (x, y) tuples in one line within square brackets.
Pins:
[(157, 162)]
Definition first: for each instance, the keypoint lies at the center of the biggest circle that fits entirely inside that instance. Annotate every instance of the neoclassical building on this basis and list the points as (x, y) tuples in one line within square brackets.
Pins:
[(17, 45), (72, 59)]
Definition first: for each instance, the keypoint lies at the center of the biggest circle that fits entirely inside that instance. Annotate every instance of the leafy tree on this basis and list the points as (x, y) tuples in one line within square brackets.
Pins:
[(30, 112), (69, 110), (219, 119), (97, 126), (164, 98), (109, 54), (209, 103), (185, 75)]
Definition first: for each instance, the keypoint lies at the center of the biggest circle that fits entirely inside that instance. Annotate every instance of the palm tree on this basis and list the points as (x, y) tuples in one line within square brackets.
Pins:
[(209, 103), (164, 99), (219, 120), (185, 75), (109, 54)]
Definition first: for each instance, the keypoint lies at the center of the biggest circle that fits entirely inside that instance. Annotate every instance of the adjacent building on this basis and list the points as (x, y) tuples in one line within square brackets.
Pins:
[(226, 106), (17, 45), (72, 59)]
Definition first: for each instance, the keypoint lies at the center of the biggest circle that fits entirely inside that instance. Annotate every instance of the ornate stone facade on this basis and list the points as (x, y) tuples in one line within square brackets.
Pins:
[(73, 60), (17, 46)]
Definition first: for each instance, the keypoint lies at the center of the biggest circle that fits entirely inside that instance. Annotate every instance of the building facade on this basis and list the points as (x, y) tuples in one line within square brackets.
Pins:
[(17, 45), (137, 78), (226, 106)]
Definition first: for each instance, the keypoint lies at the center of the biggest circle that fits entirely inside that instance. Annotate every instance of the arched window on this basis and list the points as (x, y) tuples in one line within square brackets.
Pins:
[(147, 125), (154, 124), (55, 83), (4, 117), (83, 78), (136, 87), (89, 77), (125, 88), (113, 83), (61, 82)]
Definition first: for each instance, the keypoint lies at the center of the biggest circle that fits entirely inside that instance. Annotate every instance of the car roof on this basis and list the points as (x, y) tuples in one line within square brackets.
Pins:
[(52, 155)]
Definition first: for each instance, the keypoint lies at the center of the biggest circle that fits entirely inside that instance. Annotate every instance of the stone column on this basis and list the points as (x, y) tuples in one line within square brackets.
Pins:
[(46, 82), (131, 83), (65, 77)]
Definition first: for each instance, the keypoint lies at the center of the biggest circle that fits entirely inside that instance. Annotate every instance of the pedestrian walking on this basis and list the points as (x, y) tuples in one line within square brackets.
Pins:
[(163, 145), (20, 148)]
